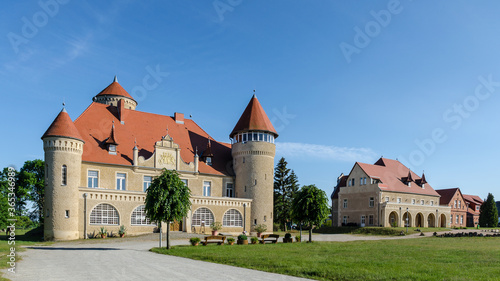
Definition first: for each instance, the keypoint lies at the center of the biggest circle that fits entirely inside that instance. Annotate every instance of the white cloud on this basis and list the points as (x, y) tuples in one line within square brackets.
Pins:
[(324, 152)]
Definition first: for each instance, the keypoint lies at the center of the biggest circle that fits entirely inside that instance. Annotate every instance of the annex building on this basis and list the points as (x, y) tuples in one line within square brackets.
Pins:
[(387, 193), (98, 168)]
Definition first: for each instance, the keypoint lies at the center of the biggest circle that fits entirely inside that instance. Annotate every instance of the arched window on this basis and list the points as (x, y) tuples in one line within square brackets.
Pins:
[(139, 217), (104, 214), (64, 175), (232, 218), (202, 214)]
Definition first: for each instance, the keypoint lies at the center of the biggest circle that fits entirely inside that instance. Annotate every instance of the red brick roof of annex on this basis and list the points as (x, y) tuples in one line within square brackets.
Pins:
[(393, 174), (473, 199), (447, 195)]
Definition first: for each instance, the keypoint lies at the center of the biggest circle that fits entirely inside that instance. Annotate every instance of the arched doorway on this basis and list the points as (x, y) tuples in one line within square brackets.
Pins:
[(419, 220), (443, 220), (407, 219), (431, 220), (393, 219)]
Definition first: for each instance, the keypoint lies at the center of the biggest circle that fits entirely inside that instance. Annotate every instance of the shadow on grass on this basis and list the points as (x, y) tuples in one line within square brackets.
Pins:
[(73, 249), (33, 235)]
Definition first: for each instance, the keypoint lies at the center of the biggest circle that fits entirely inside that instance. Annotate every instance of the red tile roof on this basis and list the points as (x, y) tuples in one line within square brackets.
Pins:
[(447, 195), (392, 173), (115, 89), (95, 125), (473, 199), (62, 126), (254, 118)]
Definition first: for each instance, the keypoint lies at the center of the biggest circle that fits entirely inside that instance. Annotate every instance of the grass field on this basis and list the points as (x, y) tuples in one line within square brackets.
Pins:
[(427, 258), (22, 239)]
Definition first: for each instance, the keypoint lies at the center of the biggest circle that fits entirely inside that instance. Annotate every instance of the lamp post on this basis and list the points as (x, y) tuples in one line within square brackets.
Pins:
[(406, 220), (85, 216)]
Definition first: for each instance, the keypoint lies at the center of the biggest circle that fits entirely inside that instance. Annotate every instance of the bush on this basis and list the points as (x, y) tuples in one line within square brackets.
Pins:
[(194, 240), (216, 226), (276, 227), (261, 228), (288, 235), (230, 240), (376, 231), (242, 237), (254, 240)]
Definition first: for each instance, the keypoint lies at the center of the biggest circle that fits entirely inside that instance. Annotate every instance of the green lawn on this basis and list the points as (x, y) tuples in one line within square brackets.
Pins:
[(22, 239), (427, 258)]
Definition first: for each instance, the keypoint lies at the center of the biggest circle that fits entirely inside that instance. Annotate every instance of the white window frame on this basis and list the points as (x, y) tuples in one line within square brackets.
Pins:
[(95, 180), (123, 181), (146, 183), (185, 181), (230, 191), (344, 220), (363, 220), (138, 216), (413, 201), (233, 218), (399, 199), (345, 203), (371, 202), (207, 188), (204, 215), (104, 214), (422, 202), (371, 220)]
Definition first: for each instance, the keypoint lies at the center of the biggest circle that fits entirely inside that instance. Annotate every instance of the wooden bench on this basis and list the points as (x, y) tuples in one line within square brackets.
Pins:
[(269, 237), (214, 239)]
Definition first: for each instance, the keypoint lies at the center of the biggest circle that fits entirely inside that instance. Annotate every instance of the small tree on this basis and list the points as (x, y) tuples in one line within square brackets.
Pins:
[(32, 179), (167, 199), (310, 206), (488, 216)]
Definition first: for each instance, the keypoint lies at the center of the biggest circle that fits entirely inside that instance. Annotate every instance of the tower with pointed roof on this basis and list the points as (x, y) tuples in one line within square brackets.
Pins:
[(113, 94), (253, 153), (63, 147)]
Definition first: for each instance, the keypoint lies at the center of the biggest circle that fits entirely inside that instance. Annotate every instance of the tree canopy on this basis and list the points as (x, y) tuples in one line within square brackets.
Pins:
[(488, 216), (167, 200), (285, 186), (310, 207), (32, 179)]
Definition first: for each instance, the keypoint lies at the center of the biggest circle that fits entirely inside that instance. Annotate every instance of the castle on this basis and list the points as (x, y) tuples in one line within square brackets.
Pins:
[(98, 169)]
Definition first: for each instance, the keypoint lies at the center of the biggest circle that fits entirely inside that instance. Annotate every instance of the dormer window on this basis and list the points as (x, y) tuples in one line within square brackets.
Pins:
[(208, 160)]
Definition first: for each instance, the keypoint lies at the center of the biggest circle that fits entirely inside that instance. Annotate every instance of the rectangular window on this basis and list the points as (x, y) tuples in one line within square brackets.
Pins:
[(353, 182), (261, 137), (456, 219), (455, 205), (364, 180), (372, 202), (363, 220), (229, 189), (399, 199), (451, 218), (459, 204), (432, 203), (413, 201), (185, 182), (64, 175), (344, 220), (421, 202), (461, 219), (207, 188), (93, 179), (255, 137), (146, 182), (360, 181), (386, 199), (370, 220), (66, 214), (345, 203), (477, 208), (121, 180)]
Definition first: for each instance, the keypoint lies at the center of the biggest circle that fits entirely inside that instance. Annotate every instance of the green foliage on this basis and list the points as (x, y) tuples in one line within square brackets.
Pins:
[(32, 179), (310, 206), (167, 199), (285, 187), (216, 226), (230, 240), (194, 240), (298, 238), (21, 193), (4, 211), (103, 231), (254, 240), (122, 230), (260, 228), (488, 216), (288, 235), (242, 237), (24, 222)]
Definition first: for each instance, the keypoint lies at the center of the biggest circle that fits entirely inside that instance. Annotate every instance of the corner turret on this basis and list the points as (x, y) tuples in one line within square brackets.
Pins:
[(114, 93)]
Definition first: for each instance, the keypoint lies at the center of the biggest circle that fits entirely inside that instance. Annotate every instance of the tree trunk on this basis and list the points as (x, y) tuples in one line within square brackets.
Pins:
[(160, 233), (310, 234), (168, 235)]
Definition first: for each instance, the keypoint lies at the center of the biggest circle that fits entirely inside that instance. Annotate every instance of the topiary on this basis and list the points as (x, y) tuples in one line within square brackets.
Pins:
[(242, 237), (288, 235)]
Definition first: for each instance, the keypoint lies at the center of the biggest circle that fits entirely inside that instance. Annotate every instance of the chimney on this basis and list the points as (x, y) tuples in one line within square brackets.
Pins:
[(179, 118), (121, 111), (136, 156)]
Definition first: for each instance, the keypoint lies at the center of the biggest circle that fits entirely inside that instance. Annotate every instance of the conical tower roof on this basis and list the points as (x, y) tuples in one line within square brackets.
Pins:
[(62, 126), (254, 118), (115, 89)]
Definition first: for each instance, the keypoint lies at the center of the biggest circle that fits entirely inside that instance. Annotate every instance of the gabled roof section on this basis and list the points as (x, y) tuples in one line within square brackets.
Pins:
[(447, 195), (473, 199), (254, 118), (115, 89), (144, 130), (392, 175), (62, 126)]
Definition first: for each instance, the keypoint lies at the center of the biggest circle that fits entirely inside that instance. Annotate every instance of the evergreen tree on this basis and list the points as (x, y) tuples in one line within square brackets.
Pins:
[(281, 186), (488, 216), (310, 206), (167, 200)]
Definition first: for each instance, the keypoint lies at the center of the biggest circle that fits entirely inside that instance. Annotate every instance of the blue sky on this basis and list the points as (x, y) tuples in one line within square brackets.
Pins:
[(342, 81)]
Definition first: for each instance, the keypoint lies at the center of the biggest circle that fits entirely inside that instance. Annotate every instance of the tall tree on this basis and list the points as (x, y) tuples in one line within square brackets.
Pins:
[(281, 186), (21, 193), (310, 207), (32, 179), (167, 199), (488, 216)]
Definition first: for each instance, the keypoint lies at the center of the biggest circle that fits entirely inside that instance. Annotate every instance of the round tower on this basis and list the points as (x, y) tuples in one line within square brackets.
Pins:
[(253, 153), (114, 93), (63, 147)]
